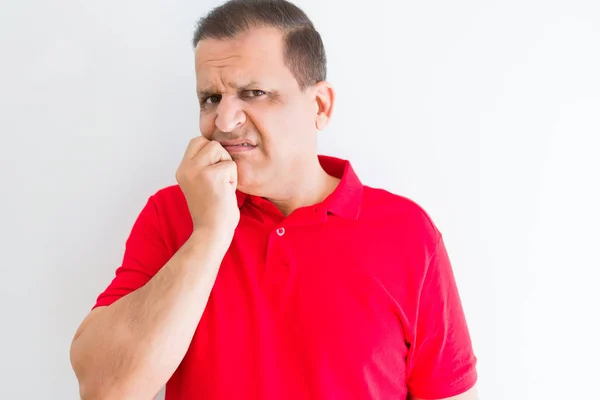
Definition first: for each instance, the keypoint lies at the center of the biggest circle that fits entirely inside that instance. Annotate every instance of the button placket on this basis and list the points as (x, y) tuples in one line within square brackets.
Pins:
[(277, 260)]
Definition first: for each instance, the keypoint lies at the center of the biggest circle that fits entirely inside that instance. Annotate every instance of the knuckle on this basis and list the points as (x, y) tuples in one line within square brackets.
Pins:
[(197, 139), (196, 142), (180, 171), (213, 145)]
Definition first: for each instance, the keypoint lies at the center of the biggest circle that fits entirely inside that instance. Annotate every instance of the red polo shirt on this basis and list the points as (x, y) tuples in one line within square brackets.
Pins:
[(352, 298)]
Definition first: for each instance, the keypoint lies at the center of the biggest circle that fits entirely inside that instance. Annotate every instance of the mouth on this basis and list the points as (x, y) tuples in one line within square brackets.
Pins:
[(238, 147)]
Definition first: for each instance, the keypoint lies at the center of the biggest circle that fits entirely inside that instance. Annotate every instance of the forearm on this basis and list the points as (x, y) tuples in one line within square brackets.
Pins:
[(131, 348)]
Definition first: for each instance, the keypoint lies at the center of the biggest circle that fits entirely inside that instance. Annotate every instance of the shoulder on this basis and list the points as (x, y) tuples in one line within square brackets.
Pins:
[(168, 197), (167, 212), (169, 202), (407, 218), (166, 202)]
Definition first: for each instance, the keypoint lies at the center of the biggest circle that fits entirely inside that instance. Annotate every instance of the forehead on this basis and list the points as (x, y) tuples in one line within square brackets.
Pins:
[(256, 55)]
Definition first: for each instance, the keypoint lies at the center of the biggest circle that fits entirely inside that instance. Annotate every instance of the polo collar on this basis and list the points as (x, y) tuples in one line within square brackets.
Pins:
[(345, 200)]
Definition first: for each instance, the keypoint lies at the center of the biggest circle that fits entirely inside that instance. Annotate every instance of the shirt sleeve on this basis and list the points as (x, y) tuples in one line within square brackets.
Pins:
[(145, 253), (441, 362)]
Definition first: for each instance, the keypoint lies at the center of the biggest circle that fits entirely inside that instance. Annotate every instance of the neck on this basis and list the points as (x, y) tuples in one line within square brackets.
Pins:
[(310, 187)]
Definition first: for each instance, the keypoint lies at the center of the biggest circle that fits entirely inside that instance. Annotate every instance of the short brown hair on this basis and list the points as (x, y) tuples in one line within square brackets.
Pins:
[(304, 52)]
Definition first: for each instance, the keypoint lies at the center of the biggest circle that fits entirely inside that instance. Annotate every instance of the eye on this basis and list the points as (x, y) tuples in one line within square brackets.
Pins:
[(215, 98), (254, 93)]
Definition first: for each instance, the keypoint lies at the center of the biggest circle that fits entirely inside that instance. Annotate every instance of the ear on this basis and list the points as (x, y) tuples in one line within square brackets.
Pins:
[(324, 97)]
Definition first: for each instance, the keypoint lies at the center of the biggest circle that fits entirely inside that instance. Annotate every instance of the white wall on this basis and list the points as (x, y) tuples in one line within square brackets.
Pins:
[(487, 113)]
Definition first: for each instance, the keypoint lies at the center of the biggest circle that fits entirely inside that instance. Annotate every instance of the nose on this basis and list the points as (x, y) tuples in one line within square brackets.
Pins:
[(230, 115)]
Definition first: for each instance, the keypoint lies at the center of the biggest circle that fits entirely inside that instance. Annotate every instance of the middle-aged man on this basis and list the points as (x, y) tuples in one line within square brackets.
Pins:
[(269, 271)]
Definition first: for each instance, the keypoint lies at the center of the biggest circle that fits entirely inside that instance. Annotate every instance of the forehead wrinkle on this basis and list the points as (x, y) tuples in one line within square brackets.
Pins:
[(222, 85)]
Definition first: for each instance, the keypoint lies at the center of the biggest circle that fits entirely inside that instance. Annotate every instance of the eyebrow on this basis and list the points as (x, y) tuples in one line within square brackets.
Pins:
[(239, 87)]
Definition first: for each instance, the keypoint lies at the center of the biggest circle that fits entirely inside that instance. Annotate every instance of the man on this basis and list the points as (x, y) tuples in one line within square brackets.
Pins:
[(270, 272)]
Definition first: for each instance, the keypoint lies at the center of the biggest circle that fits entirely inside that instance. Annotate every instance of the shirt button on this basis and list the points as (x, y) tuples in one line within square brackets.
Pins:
[(281, 231)]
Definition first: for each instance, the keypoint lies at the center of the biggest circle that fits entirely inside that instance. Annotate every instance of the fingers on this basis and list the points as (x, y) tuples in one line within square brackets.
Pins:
[(226, 172), (194, 147), (206, 151), (212, 153)]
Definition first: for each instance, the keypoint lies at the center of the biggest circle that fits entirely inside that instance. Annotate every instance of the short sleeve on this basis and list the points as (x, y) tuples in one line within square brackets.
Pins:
[(441, 362), (145, 253)]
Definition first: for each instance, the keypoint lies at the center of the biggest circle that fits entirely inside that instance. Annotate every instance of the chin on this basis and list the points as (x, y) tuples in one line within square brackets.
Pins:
[(255, 177), (247, 179)]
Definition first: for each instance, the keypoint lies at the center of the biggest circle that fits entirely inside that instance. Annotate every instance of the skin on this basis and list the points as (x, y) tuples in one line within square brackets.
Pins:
[(246, 94)]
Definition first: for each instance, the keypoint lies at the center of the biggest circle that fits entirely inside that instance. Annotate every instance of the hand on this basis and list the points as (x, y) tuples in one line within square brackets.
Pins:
[(207, 176)]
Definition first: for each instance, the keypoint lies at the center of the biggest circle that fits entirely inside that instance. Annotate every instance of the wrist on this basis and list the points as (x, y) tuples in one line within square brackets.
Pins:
[(214, 237)]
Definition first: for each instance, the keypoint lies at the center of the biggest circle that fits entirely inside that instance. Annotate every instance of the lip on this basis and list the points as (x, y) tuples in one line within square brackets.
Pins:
[(226, 143), (238, 148)]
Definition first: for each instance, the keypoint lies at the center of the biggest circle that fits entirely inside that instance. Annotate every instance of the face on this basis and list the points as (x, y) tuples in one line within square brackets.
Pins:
[(251, 103)]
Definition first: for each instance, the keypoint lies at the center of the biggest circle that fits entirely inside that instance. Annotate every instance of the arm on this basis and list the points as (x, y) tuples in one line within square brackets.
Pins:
[(131, 348), (441, 361)]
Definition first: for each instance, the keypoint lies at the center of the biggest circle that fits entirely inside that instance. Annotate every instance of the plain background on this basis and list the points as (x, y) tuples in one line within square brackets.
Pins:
[(487, 113)]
